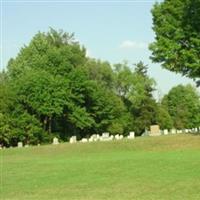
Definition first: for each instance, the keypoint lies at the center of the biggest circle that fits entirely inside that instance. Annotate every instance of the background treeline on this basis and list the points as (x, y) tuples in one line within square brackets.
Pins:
[(53, 89)]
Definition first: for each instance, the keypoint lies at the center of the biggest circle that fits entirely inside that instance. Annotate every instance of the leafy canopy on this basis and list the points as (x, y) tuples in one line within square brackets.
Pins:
[(176, 24)]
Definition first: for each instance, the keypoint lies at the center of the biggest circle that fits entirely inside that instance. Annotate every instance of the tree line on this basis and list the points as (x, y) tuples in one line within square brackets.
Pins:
[(53, 89)]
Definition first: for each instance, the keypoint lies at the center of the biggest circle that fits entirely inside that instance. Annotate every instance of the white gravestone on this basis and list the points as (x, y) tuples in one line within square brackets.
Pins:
[(121, 137), (84, 140), (173, 131), (111, 137), (117, 137), (19, 144), (165, 131), (91, 139), (131, 135), (55, 140), (105, 137), (72, 139)]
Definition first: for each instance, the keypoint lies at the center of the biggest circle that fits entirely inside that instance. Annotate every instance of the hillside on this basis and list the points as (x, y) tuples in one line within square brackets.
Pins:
[(157, 168)]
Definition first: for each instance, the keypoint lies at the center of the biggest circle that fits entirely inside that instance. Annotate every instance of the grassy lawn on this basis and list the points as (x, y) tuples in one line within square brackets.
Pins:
[(150, 168)]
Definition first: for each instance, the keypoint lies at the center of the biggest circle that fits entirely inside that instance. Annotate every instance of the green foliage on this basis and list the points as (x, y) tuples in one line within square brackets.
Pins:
[(164, 119), (135, 88), (56, 52), (52, 89), (176, 25), (183, 104)]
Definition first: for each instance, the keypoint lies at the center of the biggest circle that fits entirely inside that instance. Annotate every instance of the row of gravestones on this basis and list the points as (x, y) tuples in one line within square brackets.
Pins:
[(155, 131), (93, 138), (97, 137)]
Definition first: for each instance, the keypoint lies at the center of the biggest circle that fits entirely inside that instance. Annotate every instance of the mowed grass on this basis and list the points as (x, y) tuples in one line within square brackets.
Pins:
[(150, 168)]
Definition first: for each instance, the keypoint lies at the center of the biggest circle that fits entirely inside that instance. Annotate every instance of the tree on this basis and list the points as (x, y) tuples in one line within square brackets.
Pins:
[(42, 94), (176, 24), (183, 104), (67, 93), (135, 89), (55, 51), (163, 117)]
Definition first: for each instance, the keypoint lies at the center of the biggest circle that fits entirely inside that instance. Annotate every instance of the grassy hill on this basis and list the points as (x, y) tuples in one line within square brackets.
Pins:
[(147, 168)]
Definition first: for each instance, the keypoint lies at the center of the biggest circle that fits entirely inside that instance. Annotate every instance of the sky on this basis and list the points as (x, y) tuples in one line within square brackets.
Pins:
[(110, 30)]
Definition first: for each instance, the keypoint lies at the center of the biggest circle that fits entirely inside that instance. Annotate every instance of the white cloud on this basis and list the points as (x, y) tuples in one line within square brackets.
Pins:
[(128, 44)]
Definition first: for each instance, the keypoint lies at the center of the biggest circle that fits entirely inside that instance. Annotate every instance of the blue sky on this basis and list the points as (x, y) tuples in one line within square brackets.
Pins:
[(110, 30)]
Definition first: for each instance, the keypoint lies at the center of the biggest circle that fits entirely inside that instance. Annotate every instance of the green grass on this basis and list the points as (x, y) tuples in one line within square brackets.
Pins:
[(150, 168)]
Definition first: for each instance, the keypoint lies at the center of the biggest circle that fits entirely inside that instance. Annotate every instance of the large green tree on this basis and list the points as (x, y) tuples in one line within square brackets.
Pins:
[(176, 24), (135, 88), (58, 89), (183, 104)]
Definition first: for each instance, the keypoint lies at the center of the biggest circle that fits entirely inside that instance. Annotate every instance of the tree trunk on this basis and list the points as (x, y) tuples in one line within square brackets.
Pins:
[(50, 122), (45, 123)]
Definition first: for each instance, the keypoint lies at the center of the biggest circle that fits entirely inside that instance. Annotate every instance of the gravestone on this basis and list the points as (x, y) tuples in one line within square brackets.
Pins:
[(186, 131), (72, 139), (105, 137), (55, 140), (165, 132), (111, 137), (155, 130), (97, 137), (179, 131), (84, 140), (131, 135), (173, 131), (121, 137), (19, 144), (117, 137), (91, 139), (26, 145)]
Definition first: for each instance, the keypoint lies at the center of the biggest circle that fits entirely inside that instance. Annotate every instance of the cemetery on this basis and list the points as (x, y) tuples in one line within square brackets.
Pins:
[(100, 100), (117, 169), (154, 131)]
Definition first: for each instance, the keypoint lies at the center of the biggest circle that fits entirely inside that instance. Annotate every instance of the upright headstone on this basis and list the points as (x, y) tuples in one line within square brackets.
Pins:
[(131, 135), (19, 144), (84, 140), (173, 131), (97, 137), (72, 139), (195, 130), (111, 137), (121, 137), (55, 140), (117, 136), (155, 130), (105, 137), (165, 132), (185, 130), (179, 131), (91, 139)]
